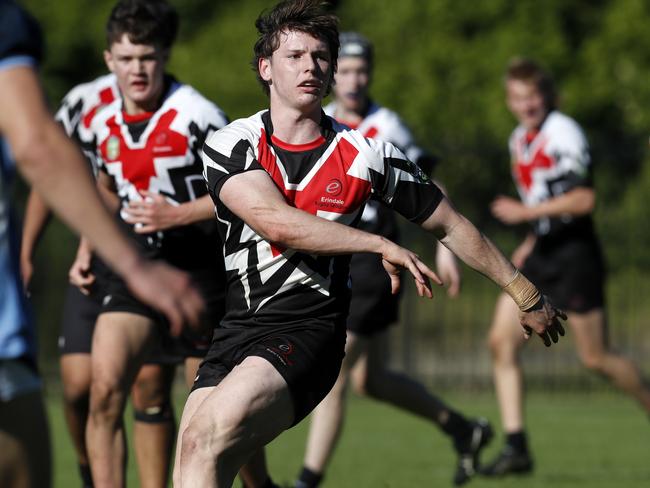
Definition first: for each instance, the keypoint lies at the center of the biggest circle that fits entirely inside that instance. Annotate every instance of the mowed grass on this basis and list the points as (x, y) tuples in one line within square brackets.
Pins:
[(588, 439)]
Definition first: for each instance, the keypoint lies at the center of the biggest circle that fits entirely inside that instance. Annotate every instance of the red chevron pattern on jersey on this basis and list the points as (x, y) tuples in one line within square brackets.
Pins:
[(138, 163), (525, 165), (106, 96), (330, 189)]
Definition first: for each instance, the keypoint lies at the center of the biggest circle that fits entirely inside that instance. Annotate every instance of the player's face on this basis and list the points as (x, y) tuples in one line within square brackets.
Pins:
[(140, 70), (352, 82), (526, 103), (298, 72)]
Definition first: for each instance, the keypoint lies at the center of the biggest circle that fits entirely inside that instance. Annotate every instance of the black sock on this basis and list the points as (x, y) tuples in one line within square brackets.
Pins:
[(517, 440), (86, 476), (308, 479), (457, 426)]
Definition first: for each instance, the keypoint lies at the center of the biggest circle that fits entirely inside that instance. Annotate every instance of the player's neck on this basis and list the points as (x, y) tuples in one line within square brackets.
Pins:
[(350, 116), (294, 126)]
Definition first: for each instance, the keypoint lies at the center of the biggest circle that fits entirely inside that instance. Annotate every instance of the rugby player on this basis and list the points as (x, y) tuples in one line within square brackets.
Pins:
[(55, 167), (289, 185), (373, 308), (154, 427), (147, 141), (552, 170)]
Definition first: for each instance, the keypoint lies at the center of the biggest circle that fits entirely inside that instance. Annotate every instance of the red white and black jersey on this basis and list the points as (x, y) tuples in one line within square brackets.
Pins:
[(80, 106), (159, 152), (548, 163), (331, 178)]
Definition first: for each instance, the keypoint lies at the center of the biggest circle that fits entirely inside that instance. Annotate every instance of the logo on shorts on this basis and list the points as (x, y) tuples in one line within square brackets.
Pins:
[(107, 300), (282, 351)]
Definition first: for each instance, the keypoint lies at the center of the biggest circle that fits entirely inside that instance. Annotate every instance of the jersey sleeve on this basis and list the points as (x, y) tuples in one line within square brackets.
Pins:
[(403, 185), (226, 153), (210, 119), (21, 39), (571, 153)]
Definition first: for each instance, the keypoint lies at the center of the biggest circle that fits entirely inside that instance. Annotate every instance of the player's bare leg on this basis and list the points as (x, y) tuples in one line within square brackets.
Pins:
[(505, 340), (154, 426), (590, 332), (191, 367), (75, 375), (120, 344), (254, 407)]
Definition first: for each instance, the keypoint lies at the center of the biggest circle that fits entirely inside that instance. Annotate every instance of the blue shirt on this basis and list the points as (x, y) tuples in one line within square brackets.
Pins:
[(20, 45)]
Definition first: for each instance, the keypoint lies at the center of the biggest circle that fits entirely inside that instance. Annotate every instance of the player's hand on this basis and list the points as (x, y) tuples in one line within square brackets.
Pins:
[(544, 320), (79, 274), (169, 291), (447, 267), (395, 258), (509, 210), (152, 213)]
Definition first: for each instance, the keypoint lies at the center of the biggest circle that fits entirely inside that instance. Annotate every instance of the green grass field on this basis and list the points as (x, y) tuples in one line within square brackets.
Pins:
[(595, 440)]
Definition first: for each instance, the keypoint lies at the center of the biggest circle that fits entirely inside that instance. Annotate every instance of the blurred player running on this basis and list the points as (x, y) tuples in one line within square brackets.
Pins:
[(373, 308), (552, 169)]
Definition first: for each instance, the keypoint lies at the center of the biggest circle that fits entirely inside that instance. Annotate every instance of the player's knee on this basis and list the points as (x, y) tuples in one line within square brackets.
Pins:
[(501, 346), (76, 394), (106, 399), (593, 362), (154, 414)]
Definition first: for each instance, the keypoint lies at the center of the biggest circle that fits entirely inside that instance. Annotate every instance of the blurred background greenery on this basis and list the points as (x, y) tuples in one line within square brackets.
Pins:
[(440, 65)]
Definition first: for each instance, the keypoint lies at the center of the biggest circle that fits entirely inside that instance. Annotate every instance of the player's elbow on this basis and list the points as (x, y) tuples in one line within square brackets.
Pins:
[(586, 201)]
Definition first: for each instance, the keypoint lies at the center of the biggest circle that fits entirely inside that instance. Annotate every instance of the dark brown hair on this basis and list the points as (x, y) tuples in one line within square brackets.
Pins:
[(152, 22), (529, 71), (309, 16)]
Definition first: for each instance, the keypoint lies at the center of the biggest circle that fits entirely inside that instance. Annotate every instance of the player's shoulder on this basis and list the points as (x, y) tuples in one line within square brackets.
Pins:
[(561, 127), (89, 92), (385, 117), (187, 99), (247, 129), (370, 147)]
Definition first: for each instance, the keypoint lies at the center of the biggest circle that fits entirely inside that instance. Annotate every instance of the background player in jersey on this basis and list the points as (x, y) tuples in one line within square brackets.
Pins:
[(373, 308), (552, 171), (154, 427), (289, 184), (54, 166), (147, 142)]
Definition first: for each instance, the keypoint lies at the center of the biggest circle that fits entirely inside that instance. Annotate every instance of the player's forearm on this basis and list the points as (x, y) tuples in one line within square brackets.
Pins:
[(37, 215), (195, 211), (461, 236), (577, 202), (295, 229)]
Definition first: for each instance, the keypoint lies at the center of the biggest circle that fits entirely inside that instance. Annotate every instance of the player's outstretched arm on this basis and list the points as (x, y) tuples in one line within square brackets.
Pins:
[(56, 169), (477, 251), (155, 212), (253, 197)]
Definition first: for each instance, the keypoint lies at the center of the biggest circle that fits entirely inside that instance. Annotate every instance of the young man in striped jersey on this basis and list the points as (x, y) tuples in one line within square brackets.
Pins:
[(289, 185)]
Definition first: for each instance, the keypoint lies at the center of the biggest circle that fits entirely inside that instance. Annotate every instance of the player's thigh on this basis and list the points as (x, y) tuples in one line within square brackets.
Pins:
[(589, 330), (505, 329), (75, 375), (252, 405), (120, 344)]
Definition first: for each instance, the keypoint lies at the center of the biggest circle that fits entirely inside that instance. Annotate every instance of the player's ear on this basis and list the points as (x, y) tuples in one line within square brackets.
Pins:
[(264, 67), (108, 59)]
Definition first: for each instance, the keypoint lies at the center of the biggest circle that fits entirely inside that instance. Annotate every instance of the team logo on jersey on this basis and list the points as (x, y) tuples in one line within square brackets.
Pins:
[(113, 148), (334, 187)]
